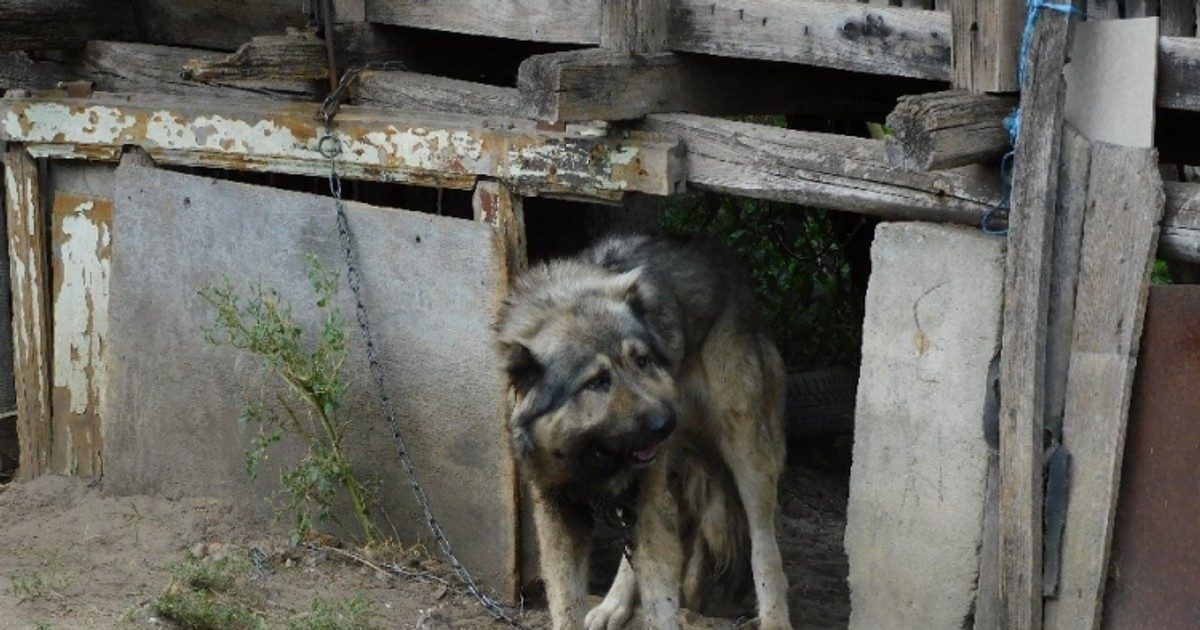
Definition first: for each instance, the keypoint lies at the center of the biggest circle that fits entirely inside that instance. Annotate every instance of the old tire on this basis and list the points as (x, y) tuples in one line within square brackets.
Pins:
[(819, 402)]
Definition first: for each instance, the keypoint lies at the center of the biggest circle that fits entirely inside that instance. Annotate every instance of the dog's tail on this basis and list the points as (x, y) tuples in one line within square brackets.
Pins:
[(717, 568)]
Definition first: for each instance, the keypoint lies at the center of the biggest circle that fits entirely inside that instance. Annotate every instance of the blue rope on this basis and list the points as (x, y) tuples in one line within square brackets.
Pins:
[(1012, 122)]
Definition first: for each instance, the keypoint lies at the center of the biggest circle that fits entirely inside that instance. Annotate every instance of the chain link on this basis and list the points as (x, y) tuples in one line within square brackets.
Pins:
[(330, 147)]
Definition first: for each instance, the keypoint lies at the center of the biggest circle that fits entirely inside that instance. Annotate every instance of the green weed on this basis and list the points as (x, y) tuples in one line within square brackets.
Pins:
[(355, 613)]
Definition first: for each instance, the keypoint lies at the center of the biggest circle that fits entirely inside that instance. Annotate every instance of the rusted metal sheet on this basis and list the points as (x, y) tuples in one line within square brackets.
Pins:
[(27, 272), (1154, 571), (81, 239), (448, 150)]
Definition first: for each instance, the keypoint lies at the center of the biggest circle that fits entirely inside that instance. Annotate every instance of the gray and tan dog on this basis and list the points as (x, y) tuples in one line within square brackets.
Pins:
[(640, 369)]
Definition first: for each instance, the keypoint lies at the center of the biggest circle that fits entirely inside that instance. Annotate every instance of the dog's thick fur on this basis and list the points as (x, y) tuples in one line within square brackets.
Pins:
[(641, 367)]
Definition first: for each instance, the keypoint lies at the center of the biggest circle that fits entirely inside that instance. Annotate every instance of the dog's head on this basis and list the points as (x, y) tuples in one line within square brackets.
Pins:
[(593, 381)]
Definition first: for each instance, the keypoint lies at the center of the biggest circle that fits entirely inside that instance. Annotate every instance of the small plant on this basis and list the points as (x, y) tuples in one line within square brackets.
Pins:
[(203, 595), (31, 585), (264, 326), (355, 613)]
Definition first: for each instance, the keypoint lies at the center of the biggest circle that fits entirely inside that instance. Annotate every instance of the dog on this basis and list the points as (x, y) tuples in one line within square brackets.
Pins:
[(642, 383)]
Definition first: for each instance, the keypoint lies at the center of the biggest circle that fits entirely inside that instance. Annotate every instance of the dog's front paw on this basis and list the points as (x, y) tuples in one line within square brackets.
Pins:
[(610, 614)]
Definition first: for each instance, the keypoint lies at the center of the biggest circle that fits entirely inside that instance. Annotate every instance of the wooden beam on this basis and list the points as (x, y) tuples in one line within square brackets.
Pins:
[(634, 26), (28, 267), (1026, 303), (1125, 204), (294, 63), (32, 25), (987, 36), (1180, 238), (946, 129), (213, 24), (448, 150), (879, 40), (565, 21), (822, 170), (1179, 73), (598, 84), (1177, 18), (728, 157)]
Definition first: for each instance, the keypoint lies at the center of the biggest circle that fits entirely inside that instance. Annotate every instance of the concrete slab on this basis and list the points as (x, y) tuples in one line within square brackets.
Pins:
[(429, 284), (918, 482)]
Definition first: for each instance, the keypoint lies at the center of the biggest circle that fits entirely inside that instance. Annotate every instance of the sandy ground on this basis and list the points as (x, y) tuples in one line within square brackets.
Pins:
[(71, 557)]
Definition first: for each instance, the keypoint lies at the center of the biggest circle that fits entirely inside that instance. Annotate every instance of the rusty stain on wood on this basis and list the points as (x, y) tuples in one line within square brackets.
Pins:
[(82, 245), (446, 150), (27, 260)]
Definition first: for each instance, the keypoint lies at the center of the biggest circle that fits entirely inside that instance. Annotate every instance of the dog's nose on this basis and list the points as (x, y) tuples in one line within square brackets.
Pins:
[(660, 424)]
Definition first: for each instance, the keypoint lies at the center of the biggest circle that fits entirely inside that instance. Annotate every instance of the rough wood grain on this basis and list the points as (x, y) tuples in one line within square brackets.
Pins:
[(1026, 303), (213, 24), (636, 26), (19, 71), (1177, 18), (293, 63), (946, 129), (1179, 73), (81, 245), (599, 84), (1125, 204), (566, 21), (987, 35), (28, 256), (884, 40), (421, 92), (823, 170), (1180, 238), (62, 24)]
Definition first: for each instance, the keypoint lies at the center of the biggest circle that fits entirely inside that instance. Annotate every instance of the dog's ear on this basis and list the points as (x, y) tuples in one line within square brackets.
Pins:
[(632, 290), (523, 369)]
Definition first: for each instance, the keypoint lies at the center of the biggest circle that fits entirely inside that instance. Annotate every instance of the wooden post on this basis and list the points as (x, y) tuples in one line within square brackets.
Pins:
[(498, 207), (1026, 304), (1125, 204), (27, 250), (633, 26), (987, 39), (947, 129)]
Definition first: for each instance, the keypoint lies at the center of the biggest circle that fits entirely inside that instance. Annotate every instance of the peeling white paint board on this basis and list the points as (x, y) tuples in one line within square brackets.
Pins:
[(1111, 80), (429, 283), (81, 240)]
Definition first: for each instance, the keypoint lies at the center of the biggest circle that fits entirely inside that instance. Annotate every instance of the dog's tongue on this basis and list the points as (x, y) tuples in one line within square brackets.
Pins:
[(647, 454)]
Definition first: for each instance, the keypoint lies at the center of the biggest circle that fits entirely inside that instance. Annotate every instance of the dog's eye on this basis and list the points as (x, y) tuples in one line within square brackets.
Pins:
[(643, 361), (598, 383)]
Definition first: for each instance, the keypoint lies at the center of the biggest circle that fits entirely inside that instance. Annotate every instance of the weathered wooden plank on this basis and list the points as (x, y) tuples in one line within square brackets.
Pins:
[(430, 149), (27, 250), (883, 40), (81, 242), (293, 63), (1179, 73), (1180, 238), (19, 71), (213, 24), (823, 170), (567, 21), (1125, 204), (946, 129), (598, 84), (411, 91), (1074, 168), (987, 35), (1177, 18), (62, 24), (1026, 304), (636, 26)]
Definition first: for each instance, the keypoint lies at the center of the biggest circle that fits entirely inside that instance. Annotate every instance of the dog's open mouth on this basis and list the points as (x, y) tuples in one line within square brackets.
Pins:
[(649, 454)]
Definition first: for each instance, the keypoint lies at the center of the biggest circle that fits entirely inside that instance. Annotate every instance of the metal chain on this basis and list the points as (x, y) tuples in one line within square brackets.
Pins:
[(330, 147)]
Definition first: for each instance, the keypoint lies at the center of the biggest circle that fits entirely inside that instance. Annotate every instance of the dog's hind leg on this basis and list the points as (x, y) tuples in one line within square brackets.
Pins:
[(618, 605), (564, 536), (750, 409), (658, 551)]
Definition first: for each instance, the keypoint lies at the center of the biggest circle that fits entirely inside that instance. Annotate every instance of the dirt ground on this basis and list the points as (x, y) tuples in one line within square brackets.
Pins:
[(71, 557)]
